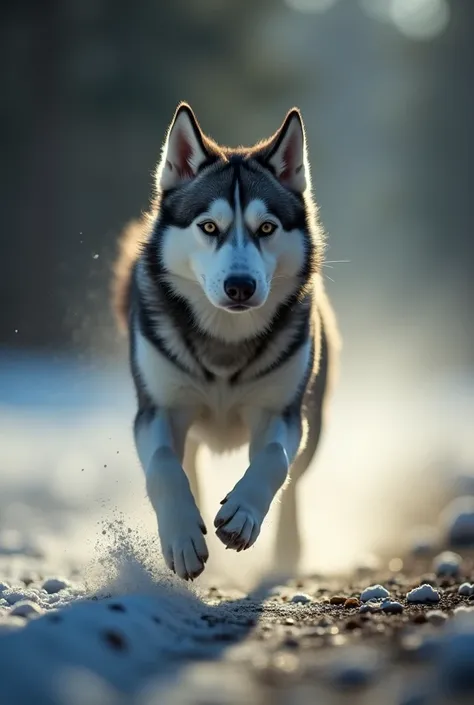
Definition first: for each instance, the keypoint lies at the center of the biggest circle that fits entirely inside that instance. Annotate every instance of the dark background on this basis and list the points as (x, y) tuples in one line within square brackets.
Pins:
[(89, 86), (386, 90)]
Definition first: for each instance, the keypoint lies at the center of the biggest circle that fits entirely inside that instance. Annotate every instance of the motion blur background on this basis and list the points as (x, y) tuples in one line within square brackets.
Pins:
[(385, 86)]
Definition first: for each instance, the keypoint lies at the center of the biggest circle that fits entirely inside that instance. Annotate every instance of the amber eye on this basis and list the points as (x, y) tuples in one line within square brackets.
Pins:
[(209, 227), (267, 228)]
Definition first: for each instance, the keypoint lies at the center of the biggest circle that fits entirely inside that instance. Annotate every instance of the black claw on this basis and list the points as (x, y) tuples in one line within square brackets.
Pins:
[(203, 529), (223, 501)]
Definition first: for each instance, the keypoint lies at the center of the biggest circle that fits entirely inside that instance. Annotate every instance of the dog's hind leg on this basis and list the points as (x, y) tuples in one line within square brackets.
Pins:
[(288, 544), (287, 553), (190, 468)]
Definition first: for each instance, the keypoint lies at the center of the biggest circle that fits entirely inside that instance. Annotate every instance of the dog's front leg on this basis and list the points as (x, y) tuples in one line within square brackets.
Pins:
[(275, 441), (160, 436)]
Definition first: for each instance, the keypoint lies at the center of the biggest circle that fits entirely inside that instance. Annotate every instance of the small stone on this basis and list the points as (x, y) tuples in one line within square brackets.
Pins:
[(352, 624), (353, 670), (424, 541), (289, 621), (391, 606), (374, 592), (458, 518), (466, 589), (370, 607), (447, 564), (436, 617), (337, 600), (419, 618), (352, 602), (25, 609), (324, 622), (455, 667), (423, 594), (300, 598), (53, 585), (291, 642)]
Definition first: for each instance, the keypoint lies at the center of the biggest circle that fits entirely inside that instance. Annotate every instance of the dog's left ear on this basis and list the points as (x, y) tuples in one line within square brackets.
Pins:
[(287, 155), (184, 150)]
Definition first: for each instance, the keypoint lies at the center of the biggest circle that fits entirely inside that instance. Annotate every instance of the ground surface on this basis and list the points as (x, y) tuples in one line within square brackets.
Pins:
[(89, 614), (299, 641)]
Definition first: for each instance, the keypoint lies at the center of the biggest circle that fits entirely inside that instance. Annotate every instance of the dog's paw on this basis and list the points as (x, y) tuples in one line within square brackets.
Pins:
[(237, 523), (183, 545)]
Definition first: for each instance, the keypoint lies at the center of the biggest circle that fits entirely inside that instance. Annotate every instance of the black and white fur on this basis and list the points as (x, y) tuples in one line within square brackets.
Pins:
[(232, 338)]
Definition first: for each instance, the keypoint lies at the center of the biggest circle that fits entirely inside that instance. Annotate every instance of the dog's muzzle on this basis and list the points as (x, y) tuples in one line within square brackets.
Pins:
[(240, 289)]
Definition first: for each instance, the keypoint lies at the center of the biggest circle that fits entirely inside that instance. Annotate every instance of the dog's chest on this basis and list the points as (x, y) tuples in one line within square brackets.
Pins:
[(219, 403)]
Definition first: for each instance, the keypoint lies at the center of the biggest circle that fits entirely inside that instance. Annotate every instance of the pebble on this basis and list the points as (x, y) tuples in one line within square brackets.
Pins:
[(458, 519), (301, 598), (436, 617), (422, 594), (353, 670), (423, 647), (391, 606), (53, 585), (424, 541), (337, 600), (25, 609), (374, 592), (447, 564), (415, 698), (370, 606), (455, 666), (352, 602), (466, 589)]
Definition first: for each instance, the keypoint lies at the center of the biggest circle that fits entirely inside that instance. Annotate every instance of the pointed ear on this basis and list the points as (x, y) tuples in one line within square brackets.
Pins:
[(183, 152), (287, 155)]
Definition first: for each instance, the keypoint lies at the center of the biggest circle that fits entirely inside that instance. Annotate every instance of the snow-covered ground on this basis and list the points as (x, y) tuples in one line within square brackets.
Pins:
[(73, 507)]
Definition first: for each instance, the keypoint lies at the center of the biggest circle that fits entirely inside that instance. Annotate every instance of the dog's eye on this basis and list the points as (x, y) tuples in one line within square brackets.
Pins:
[(209, 227), (267, 228)]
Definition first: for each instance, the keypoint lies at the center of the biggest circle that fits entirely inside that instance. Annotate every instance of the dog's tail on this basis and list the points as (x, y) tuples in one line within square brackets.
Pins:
[(130, 243)]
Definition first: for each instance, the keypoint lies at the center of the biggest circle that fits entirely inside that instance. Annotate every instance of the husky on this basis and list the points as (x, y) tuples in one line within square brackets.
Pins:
[(232, 337)]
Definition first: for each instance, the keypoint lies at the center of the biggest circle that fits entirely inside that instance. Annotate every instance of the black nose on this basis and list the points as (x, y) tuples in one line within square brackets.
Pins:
[(240, 288)]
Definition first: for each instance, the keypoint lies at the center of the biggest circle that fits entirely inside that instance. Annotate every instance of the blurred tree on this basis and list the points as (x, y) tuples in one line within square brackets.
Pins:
[(90, 87)]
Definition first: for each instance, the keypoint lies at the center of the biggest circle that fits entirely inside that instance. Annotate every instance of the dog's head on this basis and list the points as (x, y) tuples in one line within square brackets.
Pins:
[(240, 223)]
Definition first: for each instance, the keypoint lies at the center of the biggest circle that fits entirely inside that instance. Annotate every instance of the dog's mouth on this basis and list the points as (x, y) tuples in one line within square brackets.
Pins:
[(238, 308)]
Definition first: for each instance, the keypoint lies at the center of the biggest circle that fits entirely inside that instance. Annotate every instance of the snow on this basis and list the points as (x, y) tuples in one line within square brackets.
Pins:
[(422, 594), (466, 589), (75, 525), (53, 585)]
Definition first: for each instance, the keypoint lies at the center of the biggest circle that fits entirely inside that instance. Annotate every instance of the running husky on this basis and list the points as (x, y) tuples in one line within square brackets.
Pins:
[(232, 337)]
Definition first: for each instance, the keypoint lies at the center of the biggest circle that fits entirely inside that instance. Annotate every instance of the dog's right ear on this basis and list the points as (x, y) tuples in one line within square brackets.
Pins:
[(184, 150)]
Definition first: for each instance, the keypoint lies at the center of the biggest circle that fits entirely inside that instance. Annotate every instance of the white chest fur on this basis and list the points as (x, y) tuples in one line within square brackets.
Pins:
[(219, 407)]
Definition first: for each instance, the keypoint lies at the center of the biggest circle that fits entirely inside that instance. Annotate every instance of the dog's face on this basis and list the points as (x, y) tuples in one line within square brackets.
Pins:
[(234, 221)]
